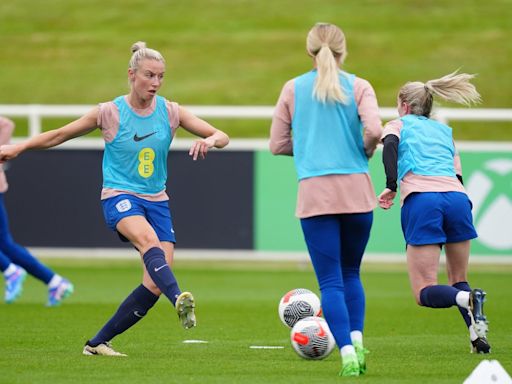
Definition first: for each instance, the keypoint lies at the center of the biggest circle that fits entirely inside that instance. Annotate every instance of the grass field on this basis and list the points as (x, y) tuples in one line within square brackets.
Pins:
[(239, 52), (237, 308)]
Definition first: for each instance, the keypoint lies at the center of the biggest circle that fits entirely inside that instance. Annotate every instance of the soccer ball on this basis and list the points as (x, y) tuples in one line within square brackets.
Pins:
[(312, 339), (298, 304)]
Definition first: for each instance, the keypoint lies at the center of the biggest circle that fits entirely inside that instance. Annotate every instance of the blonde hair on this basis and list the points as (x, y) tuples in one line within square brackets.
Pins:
[(326, 43), (141, 52), (454, 87)]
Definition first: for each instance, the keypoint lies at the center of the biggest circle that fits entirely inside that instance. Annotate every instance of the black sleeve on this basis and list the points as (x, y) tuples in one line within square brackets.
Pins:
[(390, 160), (460, 179)]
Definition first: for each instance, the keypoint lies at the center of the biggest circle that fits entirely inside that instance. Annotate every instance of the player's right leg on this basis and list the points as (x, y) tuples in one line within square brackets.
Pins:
[(184, 302), (157, 269)]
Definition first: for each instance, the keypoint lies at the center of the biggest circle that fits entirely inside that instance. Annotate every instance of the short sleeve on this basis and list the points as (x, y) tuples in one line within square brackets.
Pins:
[(108, 120), (392, 128)]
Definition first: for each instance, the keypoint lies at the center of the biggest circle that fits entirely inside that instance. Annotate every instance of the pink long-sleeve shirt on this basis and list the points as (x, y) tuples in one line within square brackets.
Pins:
[(330, 194), (6, 130)]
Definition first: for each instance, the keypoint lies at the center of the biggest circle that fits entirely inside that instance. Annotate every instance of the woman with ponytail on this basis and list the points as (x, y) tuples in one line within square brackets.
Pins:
[(328, 120), (419, 154), (137, 129)]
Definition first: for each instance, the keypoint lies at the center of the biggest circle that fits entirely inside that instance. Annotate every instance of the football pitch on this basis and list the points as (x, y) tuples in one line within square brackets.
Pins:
[(236, 309)]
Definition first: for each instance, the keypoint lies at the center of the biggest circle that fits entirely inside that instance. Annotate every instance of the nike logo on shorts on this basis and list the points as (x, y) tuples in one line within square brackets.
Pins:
[(140, 138)]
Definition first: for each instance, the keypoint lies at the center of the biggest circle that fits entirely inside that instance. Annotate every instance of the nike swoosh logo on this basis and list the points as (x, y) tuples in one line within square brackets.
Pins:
[(136, 313), (159, 268), (321, 331), (140, 138)]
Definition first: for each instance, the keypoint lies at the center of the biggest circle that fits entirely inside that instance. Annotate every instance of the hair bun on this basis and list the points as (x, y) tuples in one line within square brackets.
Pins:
[(138, 46)]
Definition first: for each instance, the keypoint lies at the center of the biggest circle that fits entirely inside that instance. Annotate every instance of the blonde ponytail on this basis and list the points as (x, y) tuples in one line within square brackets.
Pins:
[(326, 43), (453, 87)]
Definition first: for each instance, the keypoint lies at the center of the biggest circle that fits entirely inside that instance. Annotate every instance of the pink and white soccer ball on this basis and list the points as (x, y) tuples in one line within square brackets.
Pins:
[(312, 339), (298, 304)]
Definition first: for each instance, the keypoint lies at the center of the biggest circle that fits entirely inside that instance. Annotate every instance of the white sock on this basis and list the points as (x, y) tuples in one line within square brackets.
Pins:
[(55, 281), (10, 270), (357, 337), (462, 299), (347, 350), (472, 334)]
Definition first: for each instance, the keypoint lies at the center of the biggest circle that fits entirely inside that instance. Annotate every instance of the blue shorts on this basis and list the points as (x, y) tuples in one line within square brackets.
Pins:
[(157, 213), (437, 218)]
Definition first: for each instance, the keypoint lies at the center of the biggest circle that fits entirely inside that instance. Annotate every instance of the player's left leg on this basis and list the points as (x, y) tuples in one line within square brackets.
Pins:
[(457, 257), (185, 302), (354, 234), (459, 230)]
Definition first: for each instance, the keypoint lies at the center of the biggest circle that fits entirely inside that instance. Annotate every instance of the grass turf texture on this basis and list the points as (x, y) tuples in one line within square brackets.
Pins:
[(238, 52), (237, 308)]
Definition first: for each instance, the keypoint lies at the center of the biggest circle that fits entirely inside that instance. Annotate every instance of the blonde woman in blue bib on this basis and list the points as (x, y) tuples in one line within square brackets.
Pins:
[(328, 120), (419, 154), (138, 129)]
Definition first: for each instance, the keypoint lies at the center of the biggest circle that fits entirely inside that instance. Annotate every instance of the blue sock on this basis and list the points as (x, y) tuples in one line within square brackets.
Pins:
[(131, 310), (159, 270), (464, 286), (438, 296)]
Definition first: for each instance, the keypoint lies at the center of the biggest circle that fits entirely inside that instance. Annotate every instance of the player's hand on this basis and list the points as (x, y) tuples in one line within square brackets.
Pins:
[(9, 151), (200, 148), (386, 198)]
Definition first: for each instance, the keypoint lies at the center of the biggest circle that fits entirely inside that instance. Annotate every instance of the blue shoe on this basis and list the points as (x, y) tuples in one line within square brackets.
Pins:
[(59, 293), (14, 285)]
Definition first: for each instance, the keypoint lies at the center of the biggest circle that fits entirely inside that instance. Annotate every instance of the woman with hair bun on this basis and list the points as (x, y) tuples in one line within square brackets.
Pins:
[(138, 129), (328, 120), (419, 153)]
